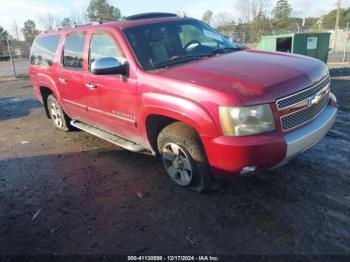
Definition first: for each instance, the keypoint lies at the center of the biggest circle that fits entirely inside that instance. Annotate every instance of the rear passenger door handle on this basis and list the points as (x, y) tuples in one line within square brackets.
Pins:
[(90, 85), (62, 80)]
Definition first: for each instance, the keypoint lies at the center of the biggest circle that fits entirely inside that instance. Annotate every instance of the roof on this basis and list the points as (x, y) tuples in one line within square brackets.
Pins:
[(124, 24), (149, 15), (133, 23)]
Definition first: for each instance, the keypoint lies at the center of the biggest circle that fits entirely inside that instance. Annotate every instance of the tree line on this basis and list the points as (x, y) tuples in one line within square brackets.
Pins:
[(97, 11), (254, 19)]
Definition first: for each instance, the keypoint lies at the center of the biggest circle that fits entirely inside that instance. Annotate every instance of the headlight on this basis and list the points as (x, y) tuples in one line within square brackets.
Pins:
[(244, 121)]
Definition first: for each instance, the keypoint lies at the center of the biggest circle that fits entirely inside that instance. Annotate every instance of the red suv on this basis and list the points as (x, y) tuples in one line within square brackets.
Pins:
[(175, 87)]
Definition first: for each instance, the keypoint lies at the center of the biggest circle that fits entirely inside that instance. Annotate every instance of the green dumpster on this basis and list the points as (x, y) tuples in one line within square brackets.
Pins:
[(310, 44)]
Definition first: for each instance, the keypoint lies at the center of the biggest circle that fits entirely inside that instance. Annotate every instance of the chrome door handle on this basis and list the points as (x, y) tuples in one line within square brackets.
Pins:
[(62, 80), (90, 85)]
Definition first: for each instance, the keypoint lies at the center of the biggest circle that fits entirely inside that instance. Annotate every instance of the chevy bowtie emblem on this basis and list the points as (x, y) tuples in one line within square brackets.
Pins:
[(316, 99)]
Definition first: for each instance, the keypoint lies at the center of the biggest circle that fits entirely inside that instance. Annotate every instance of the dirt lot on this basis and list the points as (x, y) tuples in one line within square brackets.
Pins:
[(72, 193)]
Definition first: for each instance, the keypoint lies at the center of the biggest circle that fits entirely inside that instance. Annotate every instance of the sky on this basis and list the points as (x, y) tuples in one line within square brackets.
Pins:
[(21, 10)]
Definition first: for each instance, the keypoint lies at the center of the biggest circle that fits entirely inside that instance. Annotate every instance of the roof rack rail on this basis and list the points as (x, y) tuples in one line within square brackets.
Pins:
[(92, 23), (71, 26), (63, 27), (149, 16)]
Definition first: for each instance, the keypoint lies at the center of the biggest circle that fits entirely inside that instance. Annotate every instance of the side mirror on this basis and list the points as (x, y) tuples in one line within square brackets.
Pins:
[(108, 66), (229, 38)]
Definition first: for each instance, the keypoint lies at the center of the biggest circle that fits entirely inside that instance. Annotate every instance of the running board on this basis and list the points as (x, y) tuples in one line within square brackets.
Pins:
[(108, 137)]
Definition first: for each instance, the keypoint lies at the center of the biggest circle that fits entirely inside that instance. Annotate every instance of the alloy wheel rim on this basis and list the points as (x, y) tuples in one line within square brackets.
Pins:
[(56, 115), (177, 164)]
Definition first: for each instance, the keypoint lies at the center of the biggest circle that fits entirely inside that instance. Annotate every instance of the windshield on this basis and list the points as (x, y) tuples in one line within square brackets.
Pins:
[(170, 43)]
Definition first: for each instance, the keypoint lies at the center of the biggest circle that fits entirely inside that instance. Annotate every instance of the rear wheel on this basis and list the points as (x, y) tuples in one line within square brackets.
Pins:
[(184, 158), (60, 120)]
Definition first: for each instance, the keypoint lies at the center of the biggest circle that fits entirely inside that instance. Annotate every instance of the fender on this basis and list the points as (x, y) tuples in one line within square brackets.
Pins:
[(46, 81), (178, 108)]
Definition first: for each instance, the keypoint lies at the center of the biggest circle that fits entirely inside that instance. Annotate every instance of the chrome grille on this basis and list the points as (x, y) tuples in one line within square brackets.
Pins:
[(302, 95), (298, 118)]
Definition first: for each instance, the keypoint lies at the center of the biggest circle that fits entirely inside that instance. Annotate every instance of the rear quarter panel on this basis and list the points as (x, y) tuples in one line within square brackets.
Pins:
[(42, 76)]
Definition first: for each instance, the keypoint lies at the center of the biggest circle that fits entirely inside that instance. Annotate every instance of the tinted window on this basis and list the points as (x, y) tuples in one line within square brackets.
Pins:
[(44, 50), (73, 51), (104, 45), (190, 33), (168, 43)]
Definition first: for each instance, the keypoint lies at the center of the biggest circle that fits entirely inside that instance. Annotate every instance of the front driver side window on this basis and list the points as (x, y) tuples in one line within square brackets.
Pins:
[(104, 45)]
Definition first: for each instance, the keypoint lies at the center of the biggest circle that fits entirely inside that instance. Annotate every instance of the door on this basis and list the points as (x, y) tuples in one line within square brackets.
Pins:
[(71, 76), (112, 102)]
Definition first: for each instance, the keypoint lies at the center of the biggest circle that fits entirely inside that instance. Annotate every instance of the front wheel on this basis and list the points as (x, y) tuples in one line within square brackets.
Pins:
[(184, 158), (59, 118)]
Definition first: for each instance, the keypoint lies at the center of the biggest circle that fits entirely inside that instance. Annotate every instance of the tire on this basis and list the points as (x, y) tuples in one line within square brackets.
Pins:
[(184, 157), (59, 118)]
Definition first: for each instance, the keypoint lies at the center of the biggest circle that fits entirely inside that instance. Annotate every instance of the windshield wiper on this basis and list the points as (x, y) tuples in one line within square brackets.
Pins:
[(176, 60), (224, 50), (219, 51), (186, 58)]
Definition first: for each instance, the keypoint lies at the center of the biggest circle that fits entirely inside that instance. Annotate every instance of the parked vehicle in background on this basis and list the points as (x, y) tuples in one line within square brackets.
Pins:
[(4, 58), (177, 88)]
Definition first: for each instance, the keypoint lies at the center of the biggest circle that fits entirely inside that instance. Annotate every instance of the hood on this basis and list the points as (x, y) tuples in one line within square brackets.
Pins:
[(252, 76)]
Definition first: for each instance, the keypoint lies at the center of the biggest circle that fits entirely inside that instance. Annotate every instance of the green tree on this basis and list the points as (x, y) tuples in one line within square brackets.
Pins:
[(259, 26), (30, 31), (101, 10), (281, 13), (66, 22), (3, 34), (328, 20), (207, 16)]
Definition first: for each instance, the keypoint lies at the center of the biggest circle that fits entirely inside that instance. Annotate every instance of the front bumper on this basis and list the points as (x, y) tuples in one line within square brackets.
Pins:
[(230, 156), (304, 138)]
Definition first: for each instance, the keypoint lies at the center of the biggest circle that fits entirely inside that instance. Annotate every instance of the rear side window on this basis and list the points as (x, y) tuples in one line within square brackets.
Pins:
[(44, 50), (73, 51)]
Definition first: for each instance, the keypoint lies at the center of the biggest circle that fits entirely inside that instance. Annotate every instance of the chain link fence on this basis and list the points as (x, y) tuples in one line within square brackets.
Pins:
[(341, 50), (339, 46), (18, 52)]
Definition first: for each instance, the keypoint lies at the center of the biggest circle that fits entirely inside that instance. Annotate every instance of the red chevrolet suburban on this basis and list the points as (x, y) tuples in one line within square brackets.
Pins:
[(175, 87)]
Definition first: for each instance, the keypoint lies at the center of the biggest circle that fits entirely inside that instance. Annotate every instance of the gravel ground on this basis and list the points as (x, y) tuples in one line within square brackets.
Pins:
[(71, 193)]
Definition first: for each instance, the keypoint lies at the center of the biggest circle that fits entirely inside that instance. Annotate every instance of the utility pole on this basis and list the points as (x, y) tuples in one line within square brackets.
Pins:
[(12, 63), (305, 11), (320, 22), (346, 41), (336, 27), (15, 29)]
